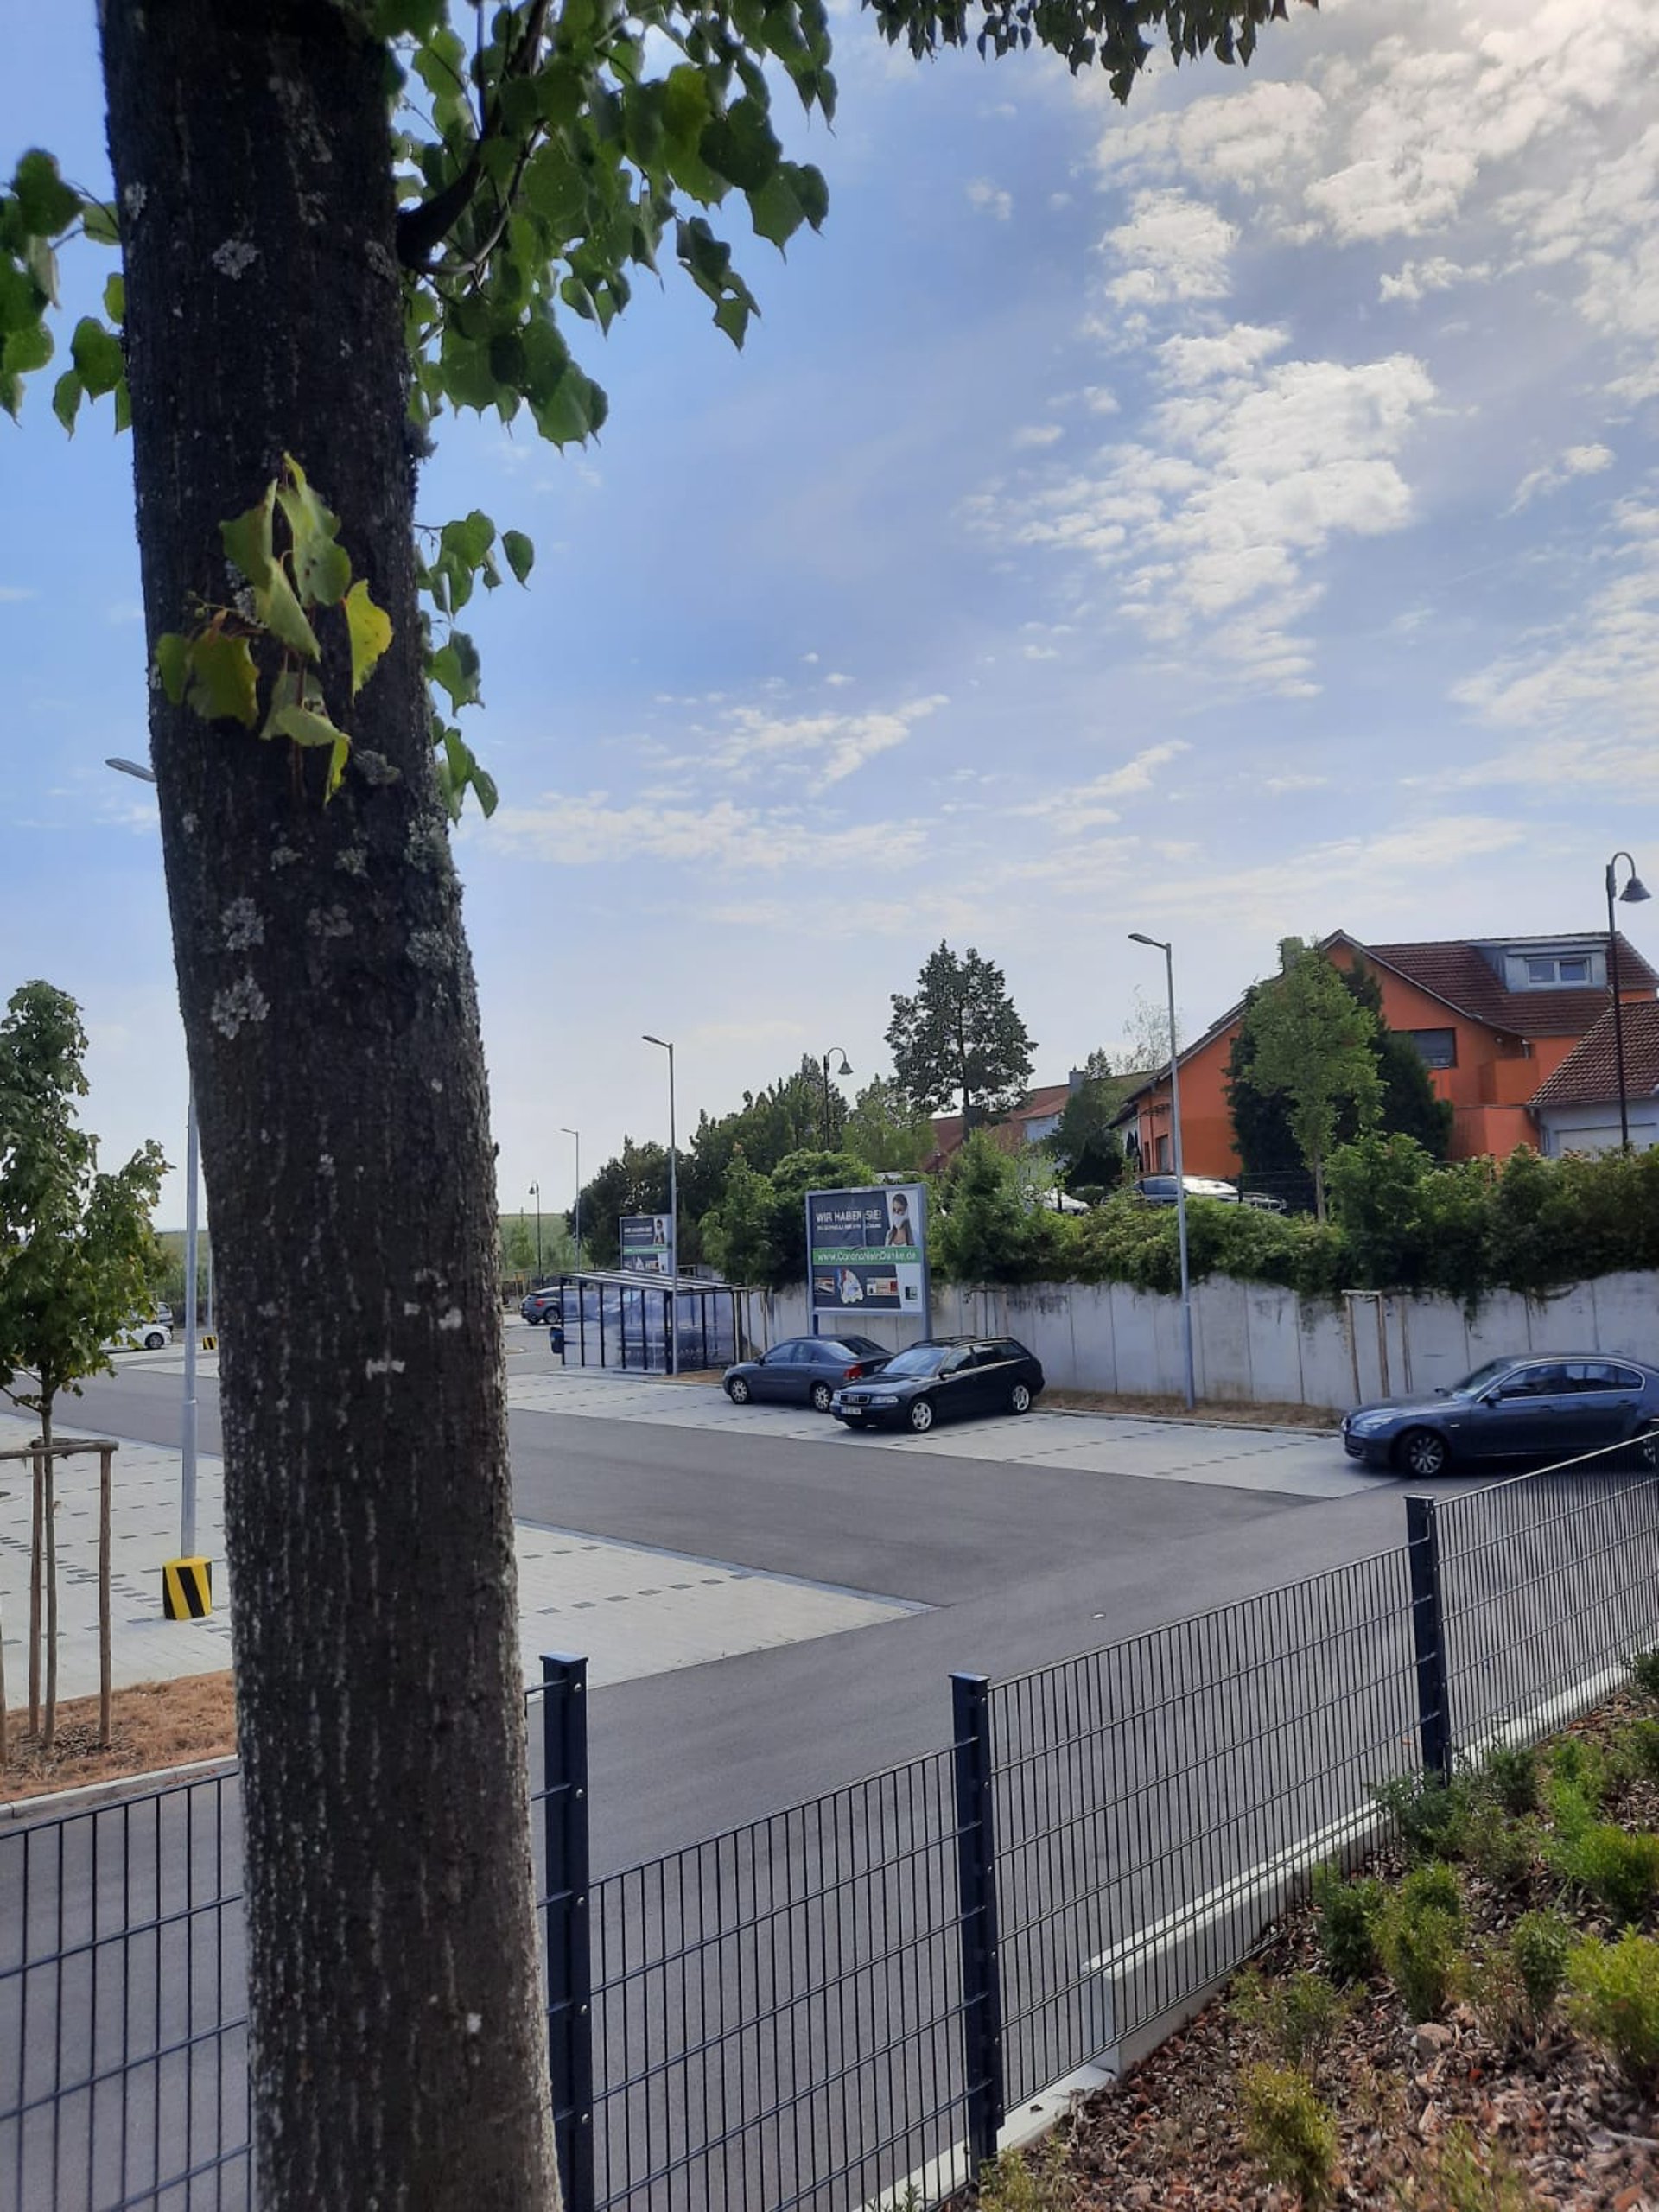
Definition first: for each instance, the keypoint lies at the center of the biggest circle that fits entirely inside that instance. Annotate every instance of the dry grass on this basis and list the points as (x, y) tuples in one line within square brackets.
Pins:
[(154, 1725), (1223, 1411)]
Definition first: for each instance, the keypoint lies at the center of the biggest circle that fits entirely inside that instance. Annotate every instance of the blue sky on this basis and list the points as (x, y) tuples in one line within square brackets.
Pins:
[(1231, 517)]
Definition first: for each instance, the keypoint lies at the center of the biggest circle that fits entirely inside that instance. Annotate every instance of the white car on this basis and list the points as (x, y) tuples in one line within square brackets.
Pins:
[(139, 1335)]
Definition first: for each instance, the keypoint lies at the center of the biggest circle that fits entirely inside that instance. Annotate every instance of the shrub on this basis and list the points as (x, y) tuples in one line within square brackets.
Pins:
[(1432, 1815), (1644, 1671), (1499, 1849), (1540, 1945), (1029, 2181), (1290, 2134), (1615, 2000), (1576, 1764), (1295, 2017), (1620, 1870), (1637, 1749), (1456, 2175), (1510, 1772), (1347, 1930), (1419, 1937)]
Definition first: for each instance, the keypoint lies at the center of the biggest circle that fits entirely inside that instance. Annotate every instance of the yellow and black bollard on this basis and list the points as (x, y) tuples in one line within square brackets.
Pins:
[(186, 1589)]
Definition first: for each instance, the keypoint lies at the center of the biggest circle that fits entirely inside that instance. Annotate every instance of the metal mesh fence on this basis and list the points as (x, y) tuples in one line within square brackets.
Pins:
[(1155, 1798)]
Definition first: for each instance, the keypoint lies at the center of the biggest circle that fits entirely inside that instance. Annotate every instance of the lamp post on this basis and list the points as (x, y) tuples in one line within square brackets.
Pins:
[(846, 1067), (191, 1176), (673, 1215), (535, 1193), (1632, 895), (577, 1219), (1158, 945)]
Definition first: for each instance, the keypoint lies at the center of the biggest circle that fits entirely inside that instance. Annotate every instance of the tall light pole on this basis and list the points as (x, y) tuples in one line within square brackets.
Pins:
[(673, 1216), (1158, 945), (576, 1224), (846, 1067), (1632, 895), (192, 1177), (535, 1193)]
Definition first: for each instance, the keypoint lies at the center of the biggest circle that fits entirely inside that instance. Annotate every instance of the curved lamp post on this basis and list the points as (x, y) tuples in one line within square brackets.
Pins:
[(576, 1224), (846, 1067), (673, 1215)]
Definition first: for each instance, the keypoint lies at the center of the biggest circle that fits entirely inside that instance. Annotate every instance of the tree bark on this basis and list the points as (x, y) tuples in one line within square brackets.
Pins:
[(398, 2040)]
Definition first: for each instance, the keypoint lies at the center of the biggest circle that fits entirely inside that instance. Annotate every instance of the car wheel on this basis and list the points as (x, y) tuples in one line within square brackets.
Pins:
[(1644, 1452), (155, 1341), (1020, 1398), (1422, 1453), (738, 1391), (821, 1394), (921, 1415)]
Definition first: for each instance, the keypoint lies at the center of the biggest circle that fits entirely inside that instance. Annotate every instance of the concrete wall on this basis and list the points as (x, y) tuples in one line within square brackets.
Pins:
[(1261, 1345)]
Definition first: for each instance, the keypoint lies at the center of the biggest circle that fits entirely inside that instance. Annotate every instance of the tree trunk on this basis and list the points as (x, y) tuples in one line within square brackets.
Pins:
[(398, 2040), (36, 1553), (49, 1522)]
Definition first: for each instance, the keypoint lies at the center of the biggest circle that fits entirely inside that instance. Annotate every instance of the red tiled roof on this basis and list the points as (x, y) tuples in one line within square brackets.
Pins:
[(1589, 1074), (1456, 972), (1050, 1098)]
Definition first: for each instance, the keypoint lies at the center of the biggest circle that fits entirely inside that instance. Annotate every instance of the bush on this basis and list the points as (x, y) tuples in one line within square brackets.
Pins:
[(1419, 1937), (1644, 1671), (1636, 1748), (1347, 1930), (1510, 1772), (1540, 1945), (1457, 2174), (1615, 2000), (1619, 1870), (1295, 2017), (1289, 2132), (1501, 1850), (1578, 1764), (1431, 1815)]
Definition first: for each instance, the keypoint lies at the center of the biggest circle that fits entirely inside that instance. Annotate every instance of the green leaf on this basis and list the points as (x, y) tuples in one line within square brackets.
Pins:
[(369, 627), (521, 554), (777, 214), (172, 664), (283, 616), (97, 354), (484, 784), (305, 724), (322, 569), (808, 185), (66, 401), (20, 298), (223, 682), (470, 538), (101, 222), (247, 540), (741, 147), (26, 350), (732, 316), (337, 760), (11, 389), (115, 298), (46, 203), (454, 668)]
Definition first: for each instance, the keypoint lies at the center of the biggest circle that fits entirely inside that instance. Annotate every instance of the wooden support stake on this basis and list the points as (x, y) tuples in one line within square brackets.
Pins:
[(105, 1455), (36, 1543)]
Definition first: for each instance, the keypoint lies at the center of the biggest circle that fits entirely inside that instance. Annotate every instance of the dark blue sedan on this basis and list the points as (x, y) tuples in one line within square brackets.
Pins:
[(1532, 1409)]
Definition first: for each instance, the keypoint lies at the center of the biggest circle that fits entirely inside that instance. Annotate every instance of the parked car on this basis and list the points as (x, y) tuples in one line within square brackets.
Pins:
[(1160, 1189), (941, 1377), (543, 1306), (136, 1334), (804, 1370), (1529, 1409)]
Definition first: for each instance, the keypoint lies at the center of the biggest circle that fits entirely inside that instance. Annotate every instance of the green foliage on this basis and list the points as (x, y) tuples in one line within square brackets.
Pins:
[(1296, 2015), (989, 1231), (1615, 2000), (959, 1039), (77, 1254), (1087, 1147), (1026, 2181), (1643, 1667), (1619, 1870), (738, 1235), (636, 1181), (38, 212), (1348, 1915), (1501, 1849), (1312, 1045), (1459, 2173), (1127, 1240), (1579, 1767), (212, 668), (885, 1131), (1419, 1938), (1636, 1748), (1540, 1946), (1432, 1815), (1510, 1773), (1289, 2132)]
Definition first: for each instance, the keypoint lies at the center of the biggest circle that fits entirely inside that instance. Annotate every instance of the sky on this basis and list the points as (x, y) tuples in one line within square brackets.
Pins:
[(1231, 516)]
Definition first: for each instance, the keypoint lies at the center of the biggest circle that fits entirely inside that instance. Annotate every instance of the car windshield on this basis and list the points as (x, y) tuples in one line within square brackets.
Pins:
[(1482, 1379), (863, 1347), (920, 1359)]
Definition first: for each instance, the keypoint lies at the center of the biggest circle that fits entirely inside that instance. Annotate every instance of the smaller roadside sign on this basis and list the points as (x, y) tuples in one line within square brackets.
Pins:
[(646, 1243)]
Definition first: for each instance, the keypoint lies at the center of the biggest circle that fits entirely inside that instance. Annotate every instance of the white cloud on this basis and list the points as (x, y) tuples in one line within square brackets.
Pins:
[(582, 829), (9, 592), (1079, 808), (990, 199), (1034, 436), (1171, 248), (1415, 280), (1282, 785), (1235, 352), (827, 747), (1577, 461), (1099, 400)]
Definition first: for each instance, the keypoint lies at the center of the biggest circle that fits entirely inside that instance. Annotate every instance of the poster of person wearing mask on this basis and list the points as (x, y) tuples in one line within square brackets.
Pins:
[(866, 1251)]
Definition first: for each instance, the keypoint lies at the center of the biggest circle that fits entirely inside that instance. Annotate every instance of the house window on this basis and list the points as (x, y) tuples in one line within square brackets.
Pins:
[(1571, 969), (1438, 1047), (1164, 1161)]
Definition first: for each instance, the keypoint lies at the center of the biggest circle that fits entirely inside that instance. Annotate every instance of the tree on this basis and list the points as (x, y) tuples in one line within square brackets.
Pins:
[(636, 1181), (77, 1256), (1146, 1034), (303, 276), (991, 1230), (885, 1131), (1085, 1146), (1314, 1044), (960, 1037), (738, 1235)]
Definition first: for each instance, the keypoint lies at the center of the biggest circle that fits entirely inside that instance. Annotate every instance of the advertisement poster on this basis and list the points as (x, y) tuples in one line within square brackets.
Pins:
[(645, 1239), (867, 1251)]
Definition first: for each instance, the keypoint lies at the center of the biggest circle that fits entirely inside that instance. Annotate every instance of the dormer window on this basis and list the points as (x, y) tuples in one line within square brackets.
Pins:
[(1561, 972)]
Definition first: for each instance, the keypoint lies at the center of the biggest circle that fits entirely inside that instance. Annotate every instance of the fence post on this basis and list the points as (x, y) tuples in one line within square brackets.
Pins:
[(982, 1992), (1428, 1637), (569, 1956)]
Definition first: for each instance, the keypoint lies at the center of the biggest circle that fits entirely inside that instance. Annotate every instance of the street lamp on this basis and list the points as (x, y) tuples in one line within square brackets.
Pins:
[(191, 1175), (576, 1224), (846, 1067), (663, 1044), (535, 1193), (1632, 895), (1158, 945)]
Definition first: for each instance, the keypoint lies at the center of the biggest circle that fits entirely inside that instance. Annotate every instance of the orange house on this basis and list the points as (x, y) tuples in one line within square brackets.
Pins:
[(1493, 1018)]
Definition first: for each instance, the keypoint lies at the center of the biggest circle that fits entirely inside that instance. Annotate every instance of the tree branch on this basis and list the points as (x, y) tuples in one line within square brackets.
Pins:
[(424, 227)]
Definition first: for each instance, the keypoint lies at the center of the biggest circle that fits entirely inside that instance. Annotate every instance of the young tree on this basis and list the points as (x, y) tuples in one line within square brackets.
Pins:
[(77, 1256), (991, 1229), (1145, 1034), (636, 1181), (314, 266), (960, 1037), (1085, 1146), (1314, 1046), (737, 1235), (885, 1131)]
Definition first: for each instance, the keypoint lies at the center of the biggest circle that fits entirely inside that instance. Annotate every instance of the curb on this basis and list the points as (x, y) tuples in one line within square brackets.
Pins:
[(89, 1797), (1187, 1421)]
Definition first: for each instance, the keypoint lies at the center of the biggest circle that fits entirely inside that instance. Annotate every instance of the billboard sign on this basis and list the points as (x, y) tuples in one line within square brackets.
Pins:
[(866, 1251), (646, 1243)]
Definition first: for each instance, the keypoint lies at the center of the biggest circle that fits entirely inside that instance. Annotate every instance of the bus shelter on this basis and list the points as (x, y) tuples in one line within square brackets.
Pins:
[(624, 1320)]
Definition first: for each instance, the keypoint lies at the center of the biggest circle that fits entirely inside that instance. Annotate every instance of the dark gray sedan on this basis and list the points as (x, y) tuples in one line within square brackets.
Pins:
[(941, 1377), (1532, 1409), (804, 1370)]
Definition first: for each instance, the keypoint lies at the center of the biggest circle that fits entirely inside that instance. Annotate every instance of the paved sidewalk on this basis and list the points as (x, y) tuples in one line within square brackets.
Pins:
[(633, 1610)]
